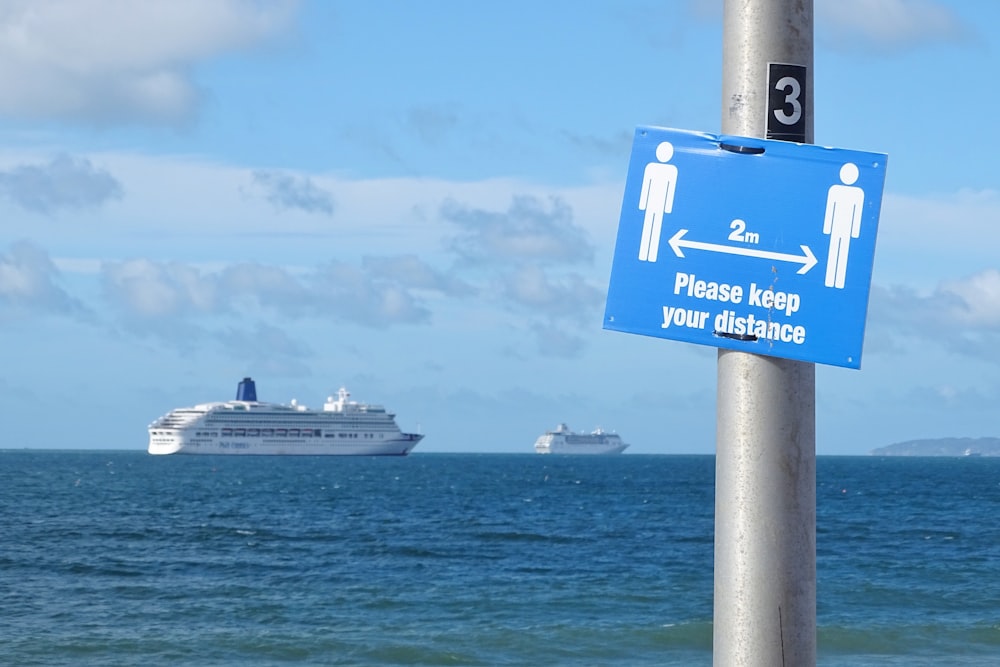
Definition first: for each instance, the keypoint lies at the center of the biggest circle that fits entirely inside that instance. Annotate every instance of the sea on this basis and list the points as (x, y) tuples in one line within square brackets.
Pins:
[(122, 558)]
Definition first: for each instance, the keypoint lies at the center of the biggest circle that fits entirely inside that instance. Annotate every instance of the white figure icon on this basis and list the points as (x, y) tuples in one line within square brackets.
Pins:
[(659, 181), (844, 205)]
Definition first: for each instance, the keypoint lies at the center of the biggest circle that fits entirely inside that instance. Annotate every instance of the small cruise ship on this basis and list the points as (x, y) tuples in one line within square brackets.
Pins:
[(563, 440), (248, 426)]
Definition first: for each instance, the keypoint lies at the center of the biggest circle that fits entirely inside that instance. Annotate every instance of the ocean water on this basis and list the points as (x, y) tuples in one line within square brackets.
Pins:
[(120, 558)]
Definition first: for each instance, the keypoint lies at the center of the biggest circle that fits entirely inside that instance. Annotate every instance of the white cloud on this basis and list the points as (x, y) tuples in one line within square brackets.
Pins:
[(525, 232), (110, 61), (293, 191), (925, 240), (394, 252), (149, 293), (959, 315), (28, 282), (271, 350), (349, 293), (65, 182), (151, 290), (570, 297), (979, 296), (410, 270), (184, 206)]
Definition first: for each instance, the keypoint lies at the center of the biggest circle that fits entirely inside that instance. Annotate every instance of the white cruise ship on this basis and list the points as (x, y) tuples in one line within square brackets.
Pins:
[(248, 426), (564, 441)]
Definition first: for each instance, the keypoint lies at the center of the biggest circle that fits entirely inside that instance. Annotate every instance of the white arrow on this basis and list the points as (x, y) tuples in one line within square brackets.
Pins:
[(807, 259)]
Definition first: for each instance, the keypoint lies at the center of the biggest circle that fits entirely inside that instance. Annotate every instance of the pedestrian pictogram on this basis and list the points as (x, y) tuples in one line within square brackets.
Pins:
[(657, 198)]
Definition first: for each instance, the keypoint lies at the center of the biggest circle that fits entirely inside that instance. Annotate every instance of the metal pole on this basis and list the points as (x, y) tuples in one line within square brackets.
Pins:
[(765, 496)]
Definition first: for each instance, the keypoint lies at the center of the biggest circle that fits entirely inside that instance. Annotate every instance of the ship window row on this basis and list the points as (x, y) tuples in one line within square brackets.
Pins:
[(293, 417), (367, 436), (296, 423), (291, 414), (269, 432), (388, 426)]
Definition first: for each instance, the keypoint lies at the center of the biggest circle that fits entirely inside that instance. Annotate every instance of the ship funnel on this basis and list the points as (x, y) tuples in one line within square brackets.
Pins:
[(246, 390)]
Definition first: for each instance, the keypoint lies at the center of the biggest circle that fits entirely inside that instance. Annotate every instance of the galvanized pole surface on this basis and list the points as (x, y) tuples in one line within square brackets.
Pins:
[(765, 496)]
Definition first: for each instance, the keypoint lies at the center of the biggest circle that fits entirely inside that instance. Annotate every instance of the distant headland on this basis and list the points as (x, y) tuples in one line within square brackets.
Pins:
[(942, 447)]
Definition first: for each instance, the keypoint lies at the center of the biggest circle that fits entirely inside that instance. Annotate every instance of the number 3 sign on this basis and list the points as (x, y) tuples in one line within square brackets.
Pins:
[(786, 100)]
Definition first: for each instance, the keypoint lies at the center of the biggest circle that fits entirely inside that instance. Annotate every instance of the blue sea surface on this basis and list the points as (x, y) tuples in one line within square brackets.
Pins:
[(121, 558)]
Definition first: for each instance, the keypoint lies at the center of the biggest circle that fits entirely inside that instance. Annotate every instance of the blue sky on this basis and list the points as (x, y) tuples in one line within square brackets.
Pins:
[(419, 201)]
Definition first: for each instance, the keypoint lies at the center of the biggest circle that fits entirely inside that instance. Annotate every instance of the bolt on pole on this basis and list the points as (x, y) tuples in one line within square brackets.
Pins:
[(765, 496)]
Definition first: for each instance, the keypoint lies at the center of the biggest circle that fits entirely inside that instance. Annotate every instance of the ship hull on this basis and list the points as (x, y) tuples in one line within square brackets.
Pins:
[(581, 449), (162, 445)]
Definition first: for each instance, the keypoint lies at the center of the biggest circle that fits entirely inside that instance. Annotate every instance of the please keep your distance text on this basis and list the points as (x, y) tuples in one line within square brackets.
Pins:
[(727, 323)]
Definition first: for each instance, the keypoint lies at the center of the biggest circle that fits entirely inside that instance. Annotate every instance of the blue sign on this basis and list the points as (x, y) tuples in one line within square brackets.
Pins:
[(747, 244)]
